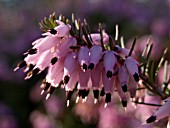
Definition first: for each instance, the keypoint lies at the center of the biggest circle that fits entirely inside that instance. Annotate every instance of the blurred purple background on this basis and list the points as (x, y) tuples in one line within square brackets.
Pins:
[(21, 106)]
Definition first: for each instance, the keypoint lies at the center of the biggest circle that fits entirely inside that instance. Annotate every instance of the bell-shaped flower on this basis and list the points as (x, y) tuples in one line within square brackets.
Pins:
[(123, 77), (120, 92), (64, 47), (132, 87), (83, 87), (54, 84), (108, 87), (95, 55), (132, 67), (47, 43), (162, 112), (83, 57), (71, 85), (109, 63), (44, 60), (54, 71), (60, 31), (96, 75), (70, 64)]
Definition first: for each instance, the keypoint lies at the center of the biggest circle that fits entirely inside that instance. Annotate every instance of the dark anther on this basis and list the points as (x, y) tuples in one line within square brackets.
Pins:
[(91, 66), (45, 85), (35, 71), (136, 77), (30, 66), (53, 31), (22, 64), (115, 48), (124, 88), (109, 74), (96, 94), (80, 93), (32, 51), (51, 89), (108, 98), (151, 119), (124, 103), (54, 60), (86, 92), (61, 82), (66, 79), (24, 55), (69, 94), (85, 67), (102, 93)]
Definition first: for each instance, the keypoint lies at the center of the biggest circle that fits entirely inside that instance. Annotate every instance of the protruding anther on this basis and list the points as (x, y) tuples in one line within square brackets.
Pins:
[(20, 65), (108, 98), (124, 103), (84, 67), (96, 94), (136, 77), (102, 93), (91, 66), (151, 119), (32, 51), (53, 31), (35, 71), (109, 74), (54, 60), (66, 79), (124, 88)]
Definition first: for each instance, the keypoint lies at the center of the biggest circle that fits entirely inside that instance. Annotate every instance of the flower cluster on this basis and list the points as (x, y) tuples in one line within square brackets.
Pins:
[(82, 61)]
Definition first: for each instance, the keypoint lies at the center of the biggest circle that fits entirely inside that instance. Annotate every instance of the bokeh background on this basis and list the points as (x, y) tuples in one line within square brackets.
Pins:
[(21, 105)]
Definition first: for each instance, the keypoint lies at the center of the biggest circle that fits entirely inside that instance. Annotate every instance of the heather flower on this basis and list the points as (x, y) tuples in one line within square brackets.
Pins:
[(77, 60), (123, 77), (129, 63), (83, 57), (109, 63), (162, 112), (95, 54)]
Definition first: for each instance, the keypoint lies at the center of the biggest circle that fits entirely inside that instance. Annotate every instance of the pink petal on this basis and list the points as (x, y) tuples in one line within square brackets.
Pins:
[(123, 77), (83, 78), (95, 55), (132, 67), (83, 57), (96, 74), (47, 43), (109, 62), (70, 64)]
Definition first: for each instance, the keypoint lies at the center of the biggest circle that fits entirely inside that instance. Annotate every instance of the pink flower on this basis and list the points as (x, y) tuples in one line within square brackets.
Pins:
[(95, 55), (123, 77), (162, 112), (83, 57), (109, 63), (132, 67)]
